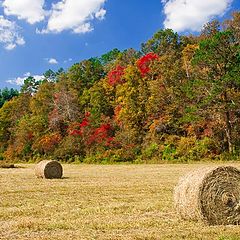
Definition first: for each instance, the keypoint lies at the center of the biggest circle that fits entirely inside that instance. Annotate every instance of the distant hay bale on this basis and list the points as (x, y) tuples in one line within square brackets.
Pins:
[(48, 169), (210, 194)]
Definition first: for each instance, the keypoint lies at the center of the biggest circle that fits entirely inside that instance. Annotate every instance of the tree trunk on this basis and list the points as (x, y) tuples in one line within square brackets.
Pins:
[(228, 128), (229, 133)]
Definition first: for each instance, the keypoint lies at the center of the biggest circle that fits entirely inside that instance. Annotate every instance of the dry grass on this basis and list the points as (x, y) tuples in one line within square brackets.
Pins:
[(99, 202)]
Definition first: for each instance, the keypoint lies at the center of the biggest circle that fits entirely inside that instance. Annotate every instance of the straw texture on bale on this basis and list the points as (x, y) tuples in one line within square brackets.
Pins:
[(48, 169), (210, 194)]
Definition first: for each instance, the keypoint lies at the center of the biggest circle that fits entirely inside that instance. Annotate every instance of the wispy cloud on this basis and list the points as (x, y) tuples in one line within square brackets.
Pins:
[(100, 14), (68, 60), (52, 61), (10, 34), (183, 15), (20, 80)]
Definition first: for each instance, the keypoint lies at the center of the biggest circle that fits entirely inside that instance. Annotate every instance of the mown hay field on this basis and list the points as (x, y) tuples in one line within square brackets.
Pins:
[(99, 202)]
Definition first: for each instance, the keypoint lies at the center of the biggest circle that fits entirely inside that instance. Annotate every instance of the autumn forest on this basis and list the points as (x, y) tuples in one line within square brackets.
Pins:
[(177, 99)]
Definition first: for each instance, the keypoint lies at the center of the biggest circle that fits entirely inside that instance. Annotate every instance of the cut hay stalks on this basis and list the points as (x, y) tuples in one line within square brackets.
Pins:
[(210, 194), (49, 169)]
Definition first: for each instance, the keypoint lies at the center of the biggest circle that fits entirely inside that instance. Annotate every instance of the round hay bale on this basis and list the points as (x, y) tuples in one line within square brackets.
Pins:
[(210, 194), (48, 169)]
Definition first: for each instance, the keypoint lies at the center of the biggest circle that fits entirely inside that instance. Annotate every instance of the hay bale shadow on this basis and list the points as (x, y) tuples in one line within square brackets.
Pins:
[(7, 165)]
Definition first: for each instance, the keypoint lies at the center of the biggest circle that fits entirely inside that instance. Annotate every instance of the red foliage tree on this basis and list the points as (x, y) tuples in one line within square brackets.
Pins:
[(144, 62), (76, 128), (101, 135), (115, 76), (91, 135)]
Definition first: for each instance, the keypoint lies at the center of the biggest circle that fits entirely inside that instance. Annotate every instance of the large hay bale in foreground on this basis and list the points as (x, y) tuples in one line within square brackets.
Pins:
[(48, 169), (210, 194)]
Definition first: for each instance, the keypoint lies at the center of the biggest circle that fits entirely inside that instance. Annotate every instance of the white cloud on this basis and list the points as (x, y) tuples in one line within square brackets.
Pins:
[(74, 15), (67, 60), (27, 74), (52, 61), (20, 80), (10, 46), (30, 10), (9, 34), (182, 15), (100, 14), (84, 28)]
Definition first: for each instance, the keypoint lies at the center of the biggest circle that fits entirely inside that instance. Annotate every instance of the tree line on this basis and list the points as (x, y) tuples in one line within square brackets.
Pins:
[(176, 99)]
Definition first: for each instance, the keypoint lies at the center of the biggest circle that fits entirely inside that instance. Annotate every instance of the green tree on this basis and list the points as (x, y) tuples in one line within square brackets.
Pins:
[(7, 94), (218, 57), (52, 76), (162, 42), (109, 57), (10, 114), (84, 74), (30, 85)]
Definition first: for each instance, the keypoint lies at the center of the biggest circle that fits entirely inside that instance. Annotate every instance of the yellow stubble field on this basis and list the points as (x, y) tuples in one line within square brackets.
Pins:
[(99, 202)]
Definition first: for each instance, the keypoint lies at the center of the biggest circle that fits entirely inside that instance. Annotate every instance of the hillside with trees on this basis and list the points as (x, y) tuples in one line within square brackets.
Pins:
[(177, 99)]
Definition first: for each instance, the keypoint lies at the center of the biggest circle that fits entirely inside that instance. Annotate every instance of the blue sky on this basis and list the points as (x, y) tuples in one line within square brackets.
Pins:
[(36, 35)]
